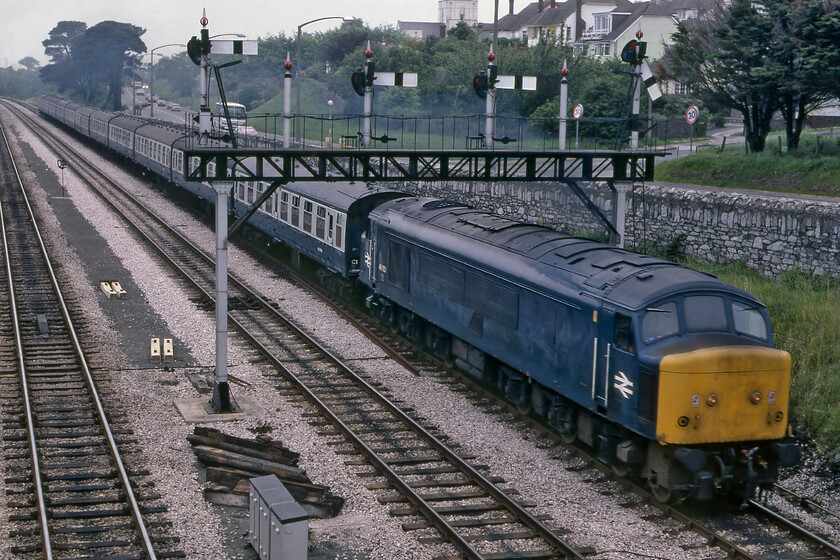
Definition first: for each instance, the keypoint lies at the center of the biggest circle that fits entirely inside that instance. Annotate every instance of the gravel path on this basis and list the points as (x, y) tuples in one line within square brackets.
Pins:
[(363, 530)]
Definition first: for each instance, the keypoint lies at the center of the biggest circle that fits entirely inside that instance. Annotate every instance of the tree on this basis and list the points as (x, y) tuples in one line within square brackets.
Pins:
[(462, 32), (729, 58), (104, 51), (59, 45), (29, 63), (799, 92)]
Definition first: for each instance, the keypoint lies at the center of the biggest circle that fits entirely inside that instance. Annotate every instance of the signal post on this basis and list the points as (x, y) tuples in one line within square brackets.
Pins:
[(199, 50)]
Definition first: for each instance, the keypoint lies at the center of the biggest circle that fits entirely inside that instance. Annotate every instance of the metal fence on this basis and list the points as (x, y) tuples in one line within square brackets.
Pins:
[(455, 132)]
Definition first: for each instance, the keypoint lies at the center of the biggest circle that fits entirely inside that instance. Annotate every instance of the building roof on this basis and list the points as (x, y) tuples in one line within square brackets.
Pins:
[(649, 9), (427, 27), (512, 22), (553, 15)]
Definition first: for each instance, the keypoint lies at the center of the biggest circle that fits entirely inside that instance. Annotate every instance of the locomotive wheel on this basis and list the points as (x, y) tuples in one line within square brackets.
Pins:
[(539, 401), (525, 405), (660, 493), (567, 425), (620, 469)]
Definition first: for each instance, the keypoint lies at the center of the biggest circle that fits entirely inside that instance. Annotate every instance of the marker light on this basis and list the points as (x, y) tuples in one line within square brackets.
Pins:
[(755, 398), (712, 400)]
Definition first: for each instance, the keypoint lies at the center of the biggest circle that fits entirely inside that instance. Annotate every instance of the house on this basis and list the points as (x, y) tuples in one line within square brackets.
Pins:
[(614, 28)]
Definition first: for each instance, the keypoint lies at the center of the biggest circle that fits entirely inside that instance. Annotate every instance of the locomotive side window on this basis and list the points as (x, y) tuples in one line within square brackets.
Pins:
[(660, 321), (399, 264), (624, 333), (705, 313), (492, 300), (749, 320), (440, 276)]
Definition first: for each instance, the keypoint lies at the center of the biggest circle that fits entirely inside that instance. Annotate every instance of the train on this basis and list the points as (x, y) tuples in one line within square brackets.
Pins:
[(667, 374)]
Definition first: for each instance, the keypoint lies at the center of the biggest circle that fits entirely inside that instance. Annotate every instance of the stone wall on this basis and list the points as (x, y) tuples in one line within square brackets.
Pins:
[(772, 234)]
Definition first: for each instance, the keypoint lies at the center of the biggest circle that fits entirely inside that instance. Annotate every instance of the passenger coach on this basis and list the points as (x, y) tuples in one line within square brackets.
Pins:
[(324, 221)]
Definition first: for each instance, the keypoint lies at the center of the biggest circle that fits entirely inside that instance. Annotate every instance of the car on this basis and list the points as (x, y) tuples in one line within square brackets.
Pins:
[(174, 107), (140, 92)]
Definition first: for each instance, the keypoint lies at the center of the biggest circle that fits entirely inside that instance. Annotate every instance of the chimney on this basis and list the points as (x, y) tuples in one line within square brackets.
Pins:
[(539, 5), (511, 7), (579, 23)]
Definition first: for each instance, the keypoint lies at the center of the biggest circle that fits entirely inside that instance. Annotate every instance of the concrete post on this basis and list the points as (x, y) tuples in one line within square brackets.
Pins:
[(564, 105), (621, 190)]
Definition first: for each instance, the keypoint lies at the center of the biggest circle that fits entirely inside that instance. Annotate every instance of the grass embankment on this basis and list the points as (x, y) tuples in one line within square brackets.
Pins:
[(804, 171), (805, 310)]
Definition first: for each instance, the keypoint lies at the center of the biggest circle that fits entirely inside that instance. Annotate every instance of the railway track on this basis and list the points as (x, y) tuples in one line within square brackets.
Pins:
[(409, 464), (73, 494), (467, 508)]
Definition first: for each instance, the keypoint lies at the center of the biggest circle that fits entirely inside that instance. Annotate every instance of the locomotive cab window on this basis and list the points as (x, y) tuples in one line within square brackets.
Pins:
[(624, 337), (705, 313), (660, 321), (749, 320)]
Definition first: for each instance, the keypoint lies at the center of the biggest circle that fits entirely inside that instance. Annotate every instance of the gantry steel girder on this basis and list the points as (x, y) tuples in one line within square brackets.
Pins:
[(315, 164)]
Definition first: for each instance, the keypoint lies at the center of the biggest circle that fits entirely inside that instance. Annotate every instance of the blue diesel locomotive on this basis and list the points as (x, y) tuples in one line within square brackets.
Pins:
[(666, 373)]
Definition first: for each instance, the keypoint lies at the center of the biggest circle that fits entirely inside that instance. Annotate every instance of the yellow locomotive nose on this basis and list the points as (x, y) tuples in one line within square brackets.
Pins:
[(729, 393)]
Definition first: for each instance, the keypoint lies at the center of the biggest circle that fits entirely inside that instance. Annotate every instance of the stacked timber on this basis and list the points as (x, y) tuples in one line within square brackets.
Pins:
[(231, 462)]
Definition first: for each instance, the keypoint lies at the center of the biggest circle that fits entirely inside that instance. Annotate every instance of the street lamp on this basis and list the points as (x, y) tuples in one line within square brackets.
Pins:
[(330, 104), (297, 74), (152, 75)]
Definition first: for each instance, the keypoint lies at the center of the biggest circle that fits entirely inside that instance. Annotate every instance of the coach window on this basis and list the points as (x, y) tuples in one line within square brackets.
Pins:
[(339, 230), (307, 216), (660, 321), (331, 227), (284, 206), (296, 211), (320, 222)]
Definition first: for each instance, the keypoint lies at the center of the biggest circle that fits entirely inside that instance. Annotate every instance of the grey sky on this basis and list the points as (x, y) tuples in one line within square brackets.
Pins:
[(26, 23)]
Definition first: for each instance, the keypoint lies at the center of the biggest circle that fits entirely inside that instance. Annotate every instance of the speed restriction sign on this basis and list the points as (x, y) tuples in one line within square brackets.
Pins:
[(691, 114), (577, 112)]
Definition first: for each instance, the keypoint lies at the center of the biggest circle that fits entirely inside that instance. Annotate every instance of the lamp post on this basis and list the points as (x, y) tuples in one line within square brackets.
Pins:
[(330, 104), (297, 74), (152, 75)]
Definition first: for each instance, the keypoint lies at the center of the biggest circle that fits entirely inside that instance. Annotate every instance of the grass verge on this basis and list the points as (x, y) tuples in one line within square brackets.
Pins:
[(812, 169)]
